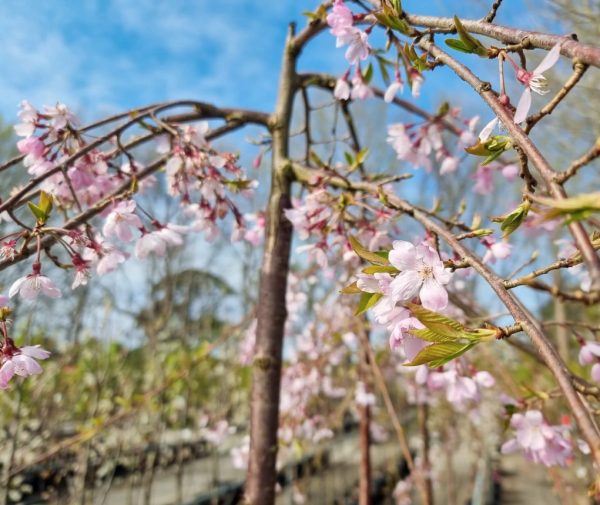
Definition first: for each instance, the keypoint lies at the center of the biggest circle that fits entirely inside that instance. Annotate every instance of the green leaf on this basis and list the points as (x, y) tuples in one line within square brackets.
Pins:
[(349, 158), (436, 355), (368, 73), (45, 203), (39, 214), (438, 323), (573, 209), (491, 148), (471, 43), (314, 157), (365, 254), (361, 155), (397, 5), (514, 219), (457, 44), (430, 336), (385, 75), (367, 300), (376, 269), (351, 289)]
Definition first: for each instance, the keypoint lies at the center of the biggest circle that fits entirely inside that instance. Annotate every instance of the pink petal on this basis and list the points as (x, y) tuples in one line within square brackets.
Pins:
[(523, 106), (549, 60), (412, 347), (35, 351), (6, 373), (509, 446), (405, 285), (596, 372), (433, 295), (403, 255)]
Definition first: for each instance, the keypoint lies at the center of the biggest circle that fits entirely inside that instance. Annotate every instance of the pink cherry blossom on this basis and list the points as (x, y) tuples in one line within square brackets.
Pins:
[(510, 172), (421, 272), (20, 361), (484, 180), (393, 89), (60, 116), (533, 81), (360, 89), (539, 441), (31, 146), (495, 250), (416, 80), (29, 116), (363, 397), (342, 89), (449, 165), (589, 353), (120, 221), (30, 286), (340, 18)]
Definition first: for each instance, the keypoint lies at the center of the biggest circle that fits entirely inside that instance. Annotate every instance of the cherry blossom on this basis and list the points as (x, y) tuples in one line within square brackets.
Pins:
[(20, 361), (539, 441), (394, 88), (120, 221), (340, 18), (29, 117), (30, 286), (421, 272), (342, 88), (533, 81), (495, 250), (360, 89)]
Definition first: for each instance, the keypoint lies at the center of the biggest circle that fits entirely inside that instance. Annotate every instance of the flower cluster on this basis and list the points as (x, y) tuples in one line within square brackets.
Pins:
[(421, 276), (14, 360), (421, 143), (539, 441)]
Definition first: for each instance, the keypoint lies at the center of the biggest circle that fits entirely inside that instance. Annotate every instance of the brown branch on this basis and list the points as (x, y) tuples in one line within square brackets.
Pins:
[(590, 55), (491, 15), (125, 189), (328, 82), (587, 158), (578, 71), (547, 173), (521, 315), (202, 111)]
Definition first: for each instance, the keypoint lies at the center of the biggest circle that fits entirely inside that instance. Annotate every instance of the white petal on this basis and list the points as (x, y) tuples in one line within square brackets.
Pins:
[(487, 130), (549, 60), (405, 285), (523, 106), (403, 255), (433, 295)]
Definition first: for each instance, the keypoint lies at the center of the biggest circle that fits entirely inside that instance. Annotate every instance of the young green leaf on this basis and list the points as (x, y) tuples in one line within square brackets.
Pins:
[(436, 355), (351, 289), (514, 219), (367, 300), (365, 254)]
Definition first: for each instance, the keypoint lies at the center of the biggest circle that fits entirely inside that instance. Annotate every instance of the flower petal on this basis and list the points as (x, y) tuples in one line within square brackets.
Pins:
[(549, 60), (523, 106), (403, 255), (405, 285), (433, 295)]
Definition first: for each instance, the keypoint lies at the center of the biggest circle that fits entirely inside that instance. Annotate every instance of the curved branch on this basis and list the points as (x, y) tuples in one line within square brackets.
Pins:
[(548, 174), (585, 53), (521, 316)]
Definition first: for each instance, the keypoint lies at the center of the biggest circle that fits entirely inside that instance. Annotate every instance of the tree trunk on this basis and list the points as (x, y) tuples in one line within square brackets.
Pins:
[(364, 425), (423, 415), (272, 312)]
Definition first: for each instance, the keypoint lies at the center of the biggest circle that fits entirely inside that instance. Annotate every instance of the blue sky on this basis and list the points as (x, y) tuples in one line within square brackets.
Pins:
[(100, 56)]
